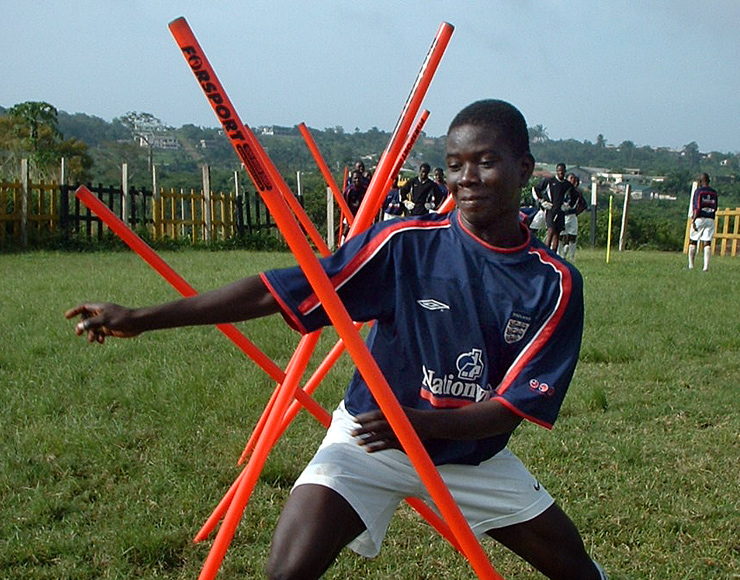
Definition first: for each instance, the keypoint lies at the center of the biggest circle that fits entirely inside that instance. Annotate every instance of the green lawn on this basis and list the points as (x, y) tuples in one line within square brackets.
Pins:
[(113, 457)]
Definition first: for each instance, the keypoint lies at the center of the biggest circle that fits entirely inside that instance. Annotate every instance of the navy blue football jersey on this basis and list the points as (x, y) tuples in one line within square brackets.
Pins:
[(704, 202), (458, 321)]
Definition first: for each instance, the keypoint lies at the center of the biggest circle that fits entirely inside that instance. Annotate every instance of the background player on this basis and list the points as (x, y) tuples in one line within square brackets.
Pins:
[(573, 205), (420, 194), (703, 212), (478, 326), (552, 191)]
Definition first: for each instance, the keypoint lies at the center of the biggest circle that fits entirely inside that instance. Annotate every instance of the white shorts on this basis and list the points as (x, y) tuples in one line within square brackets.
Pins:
[(704, 230), (538, 221), (497, 493), (571, 225)]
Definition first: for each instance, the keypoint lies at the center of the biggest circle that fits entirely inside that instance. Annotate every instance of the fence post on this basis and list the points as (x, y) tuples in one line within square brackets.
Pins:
[(25, 179), (248, 212), (594, 209), (694, 186), (157, 211), (207, 201), (239, 208), (125, 200), (625, 211), (63, 200), (299, 187), (329, 218)]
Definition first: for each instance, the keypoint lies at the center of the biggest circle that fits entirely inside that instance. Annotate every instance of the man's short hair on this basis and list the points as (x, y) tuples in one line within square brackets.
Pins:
[(500, 116), (426, 166)]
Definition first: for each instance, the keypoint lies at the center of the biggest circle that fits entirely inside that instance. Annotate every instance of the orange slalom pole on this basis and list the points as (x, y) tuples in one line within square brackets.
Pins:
[(402, 156), (366, 365), (178, 282), (408, 145), (248, 480), (263, 172), (365, 215), (271, 431), (341, 222), (313, 382), (435, 521), (447, 205), (306, 342), (324, 168)]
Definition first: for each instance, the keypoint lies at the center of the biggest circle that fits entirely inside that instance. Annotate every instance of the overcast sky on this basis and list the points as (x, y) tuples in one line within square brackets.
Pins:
[(659, 72)]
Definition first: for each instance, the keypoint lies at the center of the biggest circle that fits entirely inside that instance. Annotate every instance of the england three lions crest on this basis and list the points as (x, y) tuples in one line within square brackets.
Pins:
[(516, 328)]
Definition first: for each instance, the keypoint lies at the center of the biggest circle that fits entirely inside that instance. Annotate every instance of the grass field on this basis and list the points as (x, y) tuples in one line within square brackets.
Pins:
[(113, 457)]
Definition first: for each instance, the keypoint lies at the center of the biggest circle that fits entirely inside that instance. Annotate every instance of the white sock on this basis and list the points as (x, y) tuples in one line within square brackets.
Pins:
[(692, 255), (562, 250), (572, 252), (707, 253)]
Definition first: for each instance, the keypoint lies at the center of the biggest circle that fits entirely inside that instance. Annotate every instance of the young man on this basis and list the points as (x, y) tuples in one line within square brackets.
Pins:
[(438, 175), (419, 194), (392, 206), (478, 326), (551, 192), (703, 211), (573, 206), (354, 193)]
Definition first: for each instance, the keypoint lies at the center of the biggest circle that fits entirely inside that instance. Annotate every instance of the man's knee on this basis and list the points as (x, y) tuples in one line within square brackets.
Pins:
[(284, 569), (316, 523), (552, 544)]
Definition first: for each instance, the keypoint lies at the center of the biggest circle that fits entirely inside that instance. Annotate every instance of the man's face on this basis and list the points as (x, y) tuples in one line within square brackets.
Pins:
[(560, 172), (484, 176), (423, 174)]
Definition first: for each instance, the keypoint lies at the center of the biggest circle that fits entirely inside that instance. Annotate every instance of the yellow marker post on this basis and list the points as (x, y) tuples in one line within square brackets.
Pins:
[(609, 229)]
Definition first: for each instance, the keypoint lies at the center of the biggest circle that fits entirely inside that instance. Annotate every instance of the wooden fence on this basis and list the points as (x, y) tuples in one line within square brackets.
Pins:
[(33, 212), (726, 233)]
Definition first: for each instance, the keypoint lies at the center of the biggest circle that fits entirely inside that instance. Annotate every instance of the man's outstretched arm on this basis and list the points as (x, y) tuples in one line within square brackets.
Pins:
[(241, 300)]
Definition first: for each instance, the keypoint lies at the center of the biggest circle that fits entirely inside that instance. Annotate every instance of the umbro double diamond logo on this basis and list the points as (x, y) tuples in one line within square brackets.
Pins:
[(431, 304)]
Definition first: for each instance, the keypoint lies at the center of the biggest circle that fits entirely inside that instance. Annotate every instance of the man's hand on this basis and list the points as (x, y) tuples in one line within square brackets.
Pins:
[(375, 433), (483, 419), (99, 320)]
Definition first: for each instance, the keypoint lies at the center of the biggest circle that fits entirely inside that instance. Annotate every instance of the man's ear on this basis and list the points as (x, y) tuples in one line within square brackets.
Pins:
[(526, 169)]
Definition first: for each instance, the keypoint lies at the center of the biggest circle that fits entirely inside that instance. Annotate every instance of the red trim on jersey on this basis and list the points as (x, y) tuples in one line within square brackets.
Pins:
[(548, 328), (443, 402), (518, 248), (518, 412), (292, 320), (367, 252)]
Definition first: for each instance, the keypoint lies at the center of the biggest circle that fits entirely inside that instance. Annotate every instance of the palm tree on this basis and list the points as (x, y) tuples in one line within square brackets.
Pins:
[(538, 134)]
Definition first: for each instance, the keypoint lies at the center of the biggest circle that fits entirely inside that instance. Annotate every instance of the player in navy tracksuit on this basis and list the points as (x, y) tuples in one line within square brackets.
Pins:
[(552, 192), (478, 327)]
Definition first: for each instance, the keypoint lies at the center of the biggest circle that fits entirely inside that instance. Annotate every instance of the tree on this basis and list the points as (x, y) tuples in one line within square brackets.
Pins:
[(690, 156), (143, 127), (30, 129), (538, 134)]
